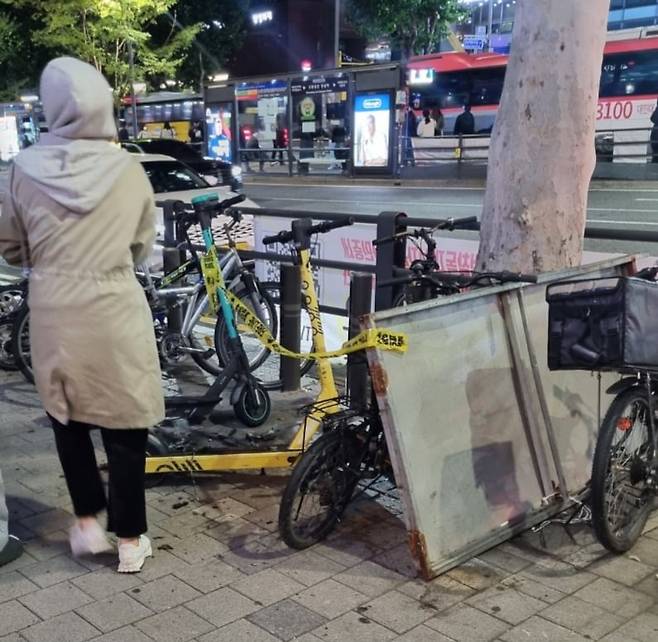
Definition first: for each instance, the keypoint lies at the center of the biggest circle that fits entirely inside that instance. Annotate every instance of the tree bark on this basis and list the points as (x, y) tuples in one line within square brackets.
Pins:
[(542, 154)]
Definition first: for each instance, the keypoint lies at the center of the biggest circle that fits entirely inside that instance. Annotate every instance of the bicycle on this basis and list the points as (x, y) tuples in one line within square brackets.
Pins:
[(624, 482), (194, 337), (352, 447), (11, 299)]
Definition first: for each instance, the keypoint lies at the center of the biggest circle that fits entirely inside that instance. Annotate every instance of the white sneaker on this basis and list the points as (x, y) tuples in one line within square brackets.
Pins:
[(89, 540), (132, 558)]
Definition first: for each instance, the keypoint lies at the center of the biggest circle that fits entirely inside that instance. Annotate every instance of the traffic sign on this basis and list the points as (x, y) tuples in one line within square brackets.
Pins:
[(476, 43)]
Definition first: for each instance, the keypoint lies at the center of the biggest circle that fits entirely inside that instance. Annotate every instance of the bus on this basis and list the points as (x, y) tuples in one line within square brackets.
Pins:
[(627, 96)]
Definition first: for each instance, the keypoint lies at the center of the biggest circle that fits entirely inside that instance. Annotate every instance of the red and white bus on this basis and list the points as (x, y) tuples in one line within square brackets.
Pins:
[(627, 96)]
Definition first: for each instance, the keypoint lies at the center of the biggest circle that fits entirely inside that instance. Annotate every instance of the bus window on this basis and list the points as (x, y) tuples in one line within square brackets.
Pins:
[(452, 89), (638, 74), (608, 76), (487, 85)]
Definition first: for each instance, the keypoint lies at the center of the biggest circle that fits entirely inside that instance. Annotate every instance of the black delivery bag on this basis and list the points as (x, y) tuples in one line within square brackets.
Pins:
[(603, 324)]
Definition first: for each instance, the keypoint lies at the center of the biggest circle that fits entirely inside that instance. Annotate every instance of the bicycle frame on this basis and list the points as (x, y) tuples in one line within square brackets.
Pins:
[(326, 400)]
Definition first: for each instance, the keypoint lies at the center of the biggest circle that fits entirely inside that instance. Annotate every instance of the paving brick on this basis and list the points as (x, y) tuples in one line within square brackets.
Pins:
[(49, 521), (398, 559), (235, 532), (176, 625), (106, 581), (267, 518), (643, 627), (14, 617), (114, 612), (197, 548), (533, 589), (308, 568), (13, 585), (370, 579), (439, 594), (24, 560), (267, 587), (163, 593), (385, 536), (259, 554), (240, 631), (68, 627), (353, 626), (55, 600), (558, 575), (463, 622), (646, 551), (614, 597), (286, 619), (423, 633), (162, 563), (582, 617), (396, 611), (347, 551), (125, 634), (622, 569), (648, 586), (209, 575), (504, 560), (330, 598), (506, 603), (53, 571), (537, 628), (222, 606), (48, 545), (477, 574)]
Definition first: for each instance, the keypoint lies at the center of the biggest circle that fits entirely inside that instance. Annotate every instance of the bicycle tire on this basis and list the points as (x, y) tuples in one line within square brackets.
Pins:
[(614, 426), (7, 361), (257, 353), (335, 451), (20, 342), (269, 373)]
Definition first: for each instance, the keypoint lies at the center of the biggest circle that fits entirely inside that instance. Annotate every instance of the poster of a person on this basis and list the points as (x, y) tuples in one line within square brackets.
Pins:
[(372, 120)]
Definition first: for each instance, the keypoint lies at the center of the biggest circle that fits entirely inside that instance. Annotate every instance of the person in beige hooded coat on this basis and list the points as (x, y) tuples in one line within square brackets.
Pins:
[(79, 214)]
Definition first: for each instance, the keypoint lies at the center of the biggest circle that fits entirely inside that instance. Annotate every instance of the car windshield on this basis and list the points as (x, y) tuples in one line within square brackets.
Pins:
[(170, 176)]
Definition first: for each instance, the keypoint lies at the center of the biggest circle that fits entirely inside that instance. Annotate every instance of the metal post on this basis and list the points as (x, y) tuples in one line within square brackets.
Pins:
[(290, 315), (133, 100), (490, 25), (389, 255), (290, 126), (337, 32), (357, 365), (171, 259)]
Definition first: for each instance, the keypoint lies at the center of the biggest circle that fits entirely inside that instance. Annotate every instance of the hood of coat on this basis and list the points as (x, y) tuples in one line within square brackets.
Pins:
[(75, 163)]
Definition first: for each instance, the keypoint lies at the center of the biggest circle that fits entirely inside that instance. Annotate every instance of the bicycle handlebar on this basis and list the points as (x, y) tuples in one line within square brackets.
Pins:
[(464, 223), (285, 236)]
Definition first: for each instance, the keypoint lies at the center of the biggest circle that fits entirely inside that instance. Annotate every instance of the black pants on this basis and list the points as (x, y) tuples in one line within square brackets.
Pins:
[(126, 452)]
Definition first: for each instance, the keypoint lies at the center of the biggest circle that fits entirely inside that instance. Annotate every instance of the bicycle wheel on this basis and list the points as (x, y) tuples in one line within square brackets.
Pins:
[(319, 489), (7, 361), (269, 371), (265, 309), (621, 501), (20, 343)]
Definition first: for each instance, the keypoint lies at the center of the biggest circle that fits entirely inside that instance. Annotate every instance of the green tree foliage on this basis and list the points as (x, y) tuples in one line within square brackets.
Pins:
[(99, 31), (20, 58), (412, 26), (221, 28)]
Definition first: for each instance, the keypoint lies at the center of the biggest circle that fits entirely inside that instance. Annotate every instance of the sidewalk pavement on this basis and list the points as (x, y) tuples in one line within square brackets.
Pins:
[(220, 573)]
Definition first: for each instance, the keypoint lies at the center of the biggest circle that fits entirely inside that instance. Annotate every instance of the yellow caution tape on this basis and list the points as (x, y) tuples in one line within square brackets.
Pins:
[(372, 338)]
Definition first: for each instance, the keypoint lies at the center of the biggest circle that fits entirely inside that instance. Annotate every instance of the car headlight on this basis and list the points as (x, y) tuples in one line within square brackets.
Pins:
[(236, 171)]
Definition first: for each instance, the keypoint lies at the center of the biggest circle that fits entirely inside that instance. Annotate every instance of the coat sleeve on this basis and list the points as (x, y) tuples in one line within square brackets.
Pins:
[(142, 244), (13, 238), (654, 116)]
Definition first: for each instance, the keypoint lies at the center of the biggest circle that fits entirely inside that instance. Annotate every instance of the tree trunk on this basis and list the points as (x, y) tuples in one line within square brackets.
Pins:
[(542, 154)]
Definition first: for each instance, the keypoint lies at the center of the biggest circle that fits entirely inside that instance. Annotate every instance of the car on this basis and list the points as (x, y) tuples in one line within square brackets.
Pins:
[(173, 180), (226, 173)]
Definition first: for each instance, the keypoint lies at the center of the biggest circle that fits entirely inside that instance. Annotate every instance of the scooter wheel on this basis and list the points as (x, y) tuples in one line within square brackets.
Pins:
[(253, 408)]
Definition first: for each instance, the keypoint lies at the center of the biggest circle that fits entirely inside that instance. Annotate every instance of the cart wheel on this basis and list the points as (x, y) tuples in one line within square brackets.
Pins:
[(253, 406), (155, 447)]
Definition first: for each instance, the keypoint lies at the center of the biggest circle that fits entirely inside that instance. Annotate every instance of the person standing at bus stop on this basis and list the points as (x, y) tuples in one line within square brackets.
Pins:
[(465, 123), (80, 214), (653, 138)]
